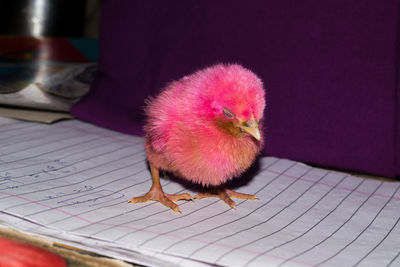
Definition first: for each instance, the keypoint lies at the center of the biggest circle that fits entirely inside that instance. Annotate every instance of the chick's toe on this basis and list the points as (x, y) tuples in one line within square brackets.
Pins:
[(226, 195), (157, 194)]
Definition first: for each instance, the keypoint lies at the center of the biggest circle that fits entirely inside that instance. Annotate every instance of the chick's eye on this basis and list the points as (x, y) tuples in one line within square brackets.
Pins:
[(229, 114)]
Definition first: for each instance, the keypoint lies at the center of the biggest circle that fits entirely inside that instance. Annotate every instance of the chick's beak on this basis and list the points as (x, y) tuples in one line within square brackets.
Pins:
[(251, 127), (253, 131)]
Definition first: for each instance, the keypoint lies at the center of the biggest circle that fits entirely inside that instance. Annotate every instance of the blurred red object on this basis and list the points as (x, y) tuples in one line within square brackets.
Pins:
[(18, 254)]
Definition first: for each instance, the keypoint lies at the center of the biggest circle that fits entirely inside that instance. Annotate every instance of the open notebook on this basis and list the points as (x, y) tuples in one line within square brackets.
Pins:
[(71, 182)]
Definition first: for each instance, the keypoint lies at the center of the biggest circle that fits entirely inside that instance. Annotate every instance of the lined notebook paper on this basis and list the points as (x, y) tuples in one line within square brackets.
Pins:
[(71, 182)]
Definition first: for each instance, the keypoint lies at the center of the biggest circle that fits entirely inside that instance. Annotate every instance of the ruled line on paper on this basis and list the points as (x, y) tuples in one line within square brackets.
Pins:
[(92, 222), (339, 188), (235, 248), (38, 155), (81, 146), (119, 137), (265, 221), (82, 197), (75, 172), (88, 190), (394, 258), (65, 174), (336, 230), (227, 210), (362, 232), (141, 218), (8, 128), (204, 219), (73, 215), (60, 210), (269, 170), (105, 219), (126, 226), (7, 175), (309, 229)]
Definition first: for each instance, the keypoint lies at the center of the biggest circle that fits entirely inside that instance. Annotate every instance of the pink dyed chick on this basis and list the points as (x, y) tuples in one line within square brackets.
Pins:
[(204, 128)]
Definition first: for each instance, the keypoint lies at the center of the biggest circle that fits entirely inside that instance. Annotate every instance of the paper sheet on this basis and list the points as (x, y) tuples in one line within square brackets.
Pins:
[(71, 182)]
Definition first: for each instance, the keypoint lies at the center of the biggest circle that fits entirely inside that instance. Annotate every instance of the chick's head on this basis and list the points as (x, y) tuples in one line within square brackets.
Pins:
[(235, 98)]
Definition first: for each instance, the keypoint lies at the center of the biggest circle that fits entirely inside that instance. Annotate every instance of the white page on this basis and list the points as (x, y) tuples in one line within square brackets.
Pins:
[(71, 182)]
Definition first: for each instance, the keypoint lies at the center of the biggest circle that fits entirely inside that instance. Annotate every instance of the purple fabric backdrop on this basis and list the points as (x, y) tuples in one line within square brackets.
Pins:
[(330, 68)]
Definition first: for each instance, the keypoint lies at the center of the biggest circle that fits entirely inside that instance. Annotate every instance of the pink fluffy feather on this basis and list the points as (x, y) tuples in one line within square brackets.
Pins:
[(183, 129)]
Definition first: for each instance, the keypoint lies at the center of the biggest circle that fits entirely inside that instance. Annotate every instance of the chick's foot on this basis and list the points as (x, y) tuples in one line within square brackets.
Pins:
[(225, 195), (157, 194)]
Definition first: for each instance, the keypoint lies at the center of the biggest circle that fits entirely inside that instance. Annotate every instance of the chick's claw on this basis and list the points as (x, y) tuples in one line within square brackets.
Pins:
[(157, 194), (235, 194), (225, 195), (168, 200), (184, 196)]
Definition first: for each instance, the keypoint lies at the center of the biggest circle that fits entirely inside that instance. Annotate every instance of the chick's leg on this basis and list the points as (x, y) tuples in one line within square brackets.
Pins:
[(225, 195), (156, 193)]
